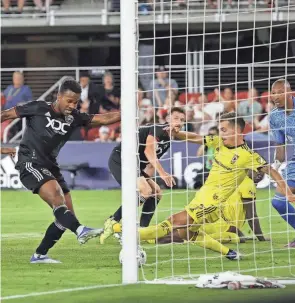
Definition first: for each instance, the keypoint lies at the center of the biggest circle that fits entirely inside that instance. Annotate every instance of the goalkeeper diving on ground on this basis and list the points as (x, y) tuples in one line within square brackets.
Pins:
[(232, 161), (239, 208)]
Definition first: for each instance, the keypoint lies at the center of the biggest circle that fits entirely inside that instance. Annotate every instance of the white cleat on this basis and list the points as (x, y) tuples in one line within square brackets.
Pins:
[(42, 259), (88, 233)]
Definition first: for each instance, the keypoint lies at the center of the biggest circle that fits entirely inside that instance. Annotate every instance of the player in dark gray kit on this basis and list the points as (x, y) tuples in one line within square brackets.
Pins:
[(48, 128), (154, 142)]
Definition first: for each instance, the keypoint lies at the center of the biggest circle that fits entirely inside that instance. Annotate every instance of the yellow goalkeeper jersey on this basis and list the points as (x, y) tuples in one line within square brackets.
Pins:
[(230, 167)]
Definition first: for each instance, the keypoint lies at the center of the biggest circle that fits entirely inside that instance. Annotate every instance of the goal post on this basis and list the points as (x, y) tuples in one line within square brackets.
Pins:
[(141, 55), (129, 140)]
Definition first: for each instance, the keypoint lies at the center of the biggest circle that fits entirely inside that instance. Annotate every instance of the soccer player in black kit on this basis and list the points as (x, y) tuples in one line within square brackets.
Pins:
[(48, 127), (154, 142)]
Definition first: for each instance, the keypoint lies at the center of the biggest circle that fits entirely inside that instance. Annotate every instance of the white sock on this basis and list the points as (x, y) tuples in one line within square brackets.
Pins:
[(39, 256), (79, 229)]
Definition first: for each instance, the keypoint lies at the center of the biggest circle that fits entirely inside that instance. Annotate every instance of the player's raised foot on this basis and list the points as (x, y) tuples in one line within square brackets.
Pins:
[(233, 255), (36, 258), (291, 244), (108, 229), (86, 233)]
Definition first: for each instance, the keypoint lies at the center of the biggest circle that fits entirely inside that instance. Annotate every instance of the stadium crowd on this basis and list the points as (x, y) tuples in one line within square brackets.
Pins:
[(202, 110)]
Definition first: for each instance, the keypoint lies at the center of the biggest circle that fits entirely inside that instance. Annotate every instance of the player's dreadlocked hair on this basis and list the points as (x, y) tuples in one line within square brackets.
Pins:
[(233, 119), (70, 84)]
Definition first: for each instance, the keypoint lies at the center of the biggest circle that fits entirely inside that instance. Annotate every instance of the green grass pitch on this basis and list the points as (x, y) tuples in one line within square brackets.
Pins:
[(25, 218)]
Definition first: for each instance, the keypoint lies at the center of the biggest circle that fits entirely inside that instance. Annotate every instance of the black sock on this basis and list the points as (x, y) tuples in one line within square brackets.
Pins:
[(118, 214), (148, 210), (66, 218), (52, 235)]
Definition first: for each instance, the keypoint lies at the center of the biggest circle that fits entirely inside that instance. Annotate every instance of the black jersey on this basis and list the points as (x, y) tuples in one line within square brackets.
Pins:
[(162, 137), (46, 131)]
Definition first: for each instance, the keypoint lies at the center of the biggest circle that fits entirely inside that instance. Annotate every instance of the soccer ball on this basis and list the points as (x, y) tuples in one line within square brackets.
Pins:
[(141, 256)]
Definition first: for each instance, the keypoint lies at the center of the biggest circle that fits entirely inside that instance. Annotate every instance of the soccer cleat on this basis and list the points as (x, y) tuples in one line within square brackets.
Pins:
[(291, 244), (88, 233), (233, 255), (108, 229), (36, 258)]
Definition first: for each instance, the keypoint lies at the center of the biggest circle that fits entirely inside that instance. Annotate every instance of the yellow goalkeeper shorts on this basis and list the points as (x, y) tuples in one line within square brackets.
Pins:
[(204, 208)]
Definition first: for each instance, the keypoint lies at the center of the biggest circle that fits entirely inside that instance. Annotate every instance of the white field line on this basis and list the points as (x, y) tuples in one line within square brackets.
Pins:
[(37, 294), (16, 236)]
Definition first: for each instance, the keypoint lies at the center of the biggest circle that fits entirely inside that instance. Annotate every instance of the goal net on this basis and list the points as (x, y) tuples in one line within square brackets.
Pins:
[(207, 57)]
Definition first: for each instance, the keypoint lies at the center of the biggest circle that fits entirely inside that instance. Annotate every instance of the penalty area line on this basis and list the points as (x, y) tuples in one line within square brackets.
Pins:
[(37, 294)]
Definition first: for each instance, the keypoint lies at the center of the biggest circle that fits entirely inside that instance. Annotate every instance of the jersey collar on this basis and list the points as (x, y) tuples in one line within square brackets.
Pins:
[(233, 147)]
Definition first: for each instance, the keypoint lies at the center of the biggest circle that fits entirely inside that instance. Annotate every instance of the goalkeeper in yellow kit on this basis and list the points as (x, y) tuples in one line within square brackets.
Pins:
[(238, 208), (232, 161)]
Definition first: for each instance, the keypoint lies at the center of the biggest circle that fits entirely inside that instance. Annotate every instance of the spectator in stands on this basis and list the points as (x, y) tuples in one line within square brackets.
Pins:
[(262, 126), (116, 134), (143, 104), (206, 114), (20, 6), (250, 109), (17, 92), (84, 107), (104, 135), (108, 95), (41, 5), (149, 116), (89, 93), (162, 116), (190, 124), (162, 87)]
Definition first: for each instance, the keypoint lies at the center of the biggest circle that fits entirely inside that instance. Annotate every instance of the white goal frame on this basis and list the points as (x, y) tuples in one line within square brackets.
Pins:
[(129, 79), (129, 141)]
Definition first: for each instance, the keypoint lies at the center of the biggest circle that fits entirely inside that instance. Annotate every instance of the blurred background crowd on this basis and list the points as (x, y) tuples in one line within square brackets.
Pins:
[(202, 110)]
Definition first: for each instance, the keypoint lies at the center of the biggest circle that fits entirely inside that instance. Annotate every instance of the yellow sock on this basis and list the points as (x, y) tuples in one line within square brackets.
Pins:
[(117, 228), (155, 231), (204, 240), (226, 237)]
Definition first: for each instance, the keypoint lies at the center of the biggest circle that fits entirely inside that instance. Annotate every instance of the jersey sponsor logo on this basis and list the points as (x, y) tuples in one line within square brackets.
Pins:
[(57, 126), (234, 159)]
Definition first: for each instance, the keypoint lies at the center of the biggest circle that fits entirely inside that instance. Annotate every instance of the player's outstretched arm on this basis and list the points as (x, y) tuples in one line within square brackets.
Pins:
[(150, 153), (283, 187), (8, 114), (252, 218), (8, 151), (279, 156), (190, 137), (105, 119)]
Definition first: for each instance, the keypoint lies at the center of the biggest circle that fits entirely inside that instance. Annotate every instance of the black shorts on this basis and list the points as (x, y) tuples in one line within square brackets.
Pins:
[(115, 166), (33, 176)]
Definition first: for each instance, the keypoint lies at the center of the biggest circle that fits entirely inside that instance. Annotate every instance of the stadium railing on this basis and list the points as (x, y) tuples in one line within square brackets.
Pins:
[(105, 9)]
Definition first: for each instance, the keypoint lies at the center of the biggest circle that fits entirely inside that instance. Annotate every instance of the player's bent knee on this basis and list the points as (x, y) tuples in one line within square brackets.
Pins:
[(146, 193), (52, 193)]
